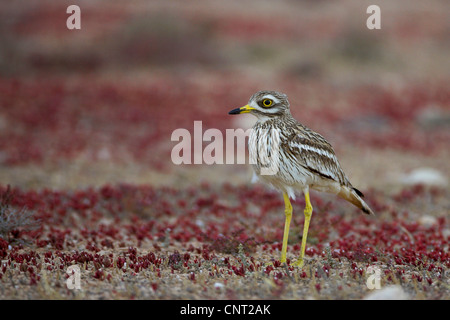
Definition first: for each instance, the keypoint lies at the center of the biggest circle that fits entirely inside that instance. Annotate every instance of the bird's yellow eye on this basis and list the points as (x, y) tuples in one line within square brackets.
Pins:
[(267, 102)]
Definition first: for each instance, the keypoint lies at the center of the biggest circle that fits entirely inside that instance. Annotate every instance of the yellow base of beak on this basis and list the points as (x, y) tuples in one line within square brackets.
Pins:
[(244, 109)]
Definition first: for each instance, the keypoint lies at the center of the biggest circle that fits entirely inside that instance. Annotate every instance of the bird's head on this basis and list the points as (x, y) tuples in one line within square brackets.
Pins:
[(265, 105)]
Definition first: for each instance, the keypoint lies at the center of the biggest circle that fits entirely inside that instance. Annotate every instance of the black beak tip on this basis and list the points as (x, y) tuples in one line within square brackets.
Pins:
[(235, 111)]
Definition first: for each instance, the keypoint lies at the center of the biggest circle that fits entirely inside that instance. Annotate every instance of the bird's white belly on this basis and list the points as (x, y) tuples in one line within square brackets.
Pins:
[(287, 176)]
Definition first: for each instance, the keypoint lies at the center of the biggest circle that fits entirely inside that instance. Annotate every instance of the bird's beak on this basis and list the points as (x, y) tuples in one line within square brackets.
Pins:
[(244, 109)]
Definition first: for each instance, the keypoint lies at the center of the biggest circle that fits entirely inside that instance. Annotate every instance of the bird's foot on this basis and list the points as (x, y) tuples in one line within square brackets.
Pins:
[(298, 263), (275, 263)]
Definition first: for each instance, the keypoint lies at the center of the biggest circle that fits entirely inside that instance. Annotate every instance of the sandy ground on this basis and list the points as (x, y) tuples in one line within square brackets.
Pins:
[(369, 168)]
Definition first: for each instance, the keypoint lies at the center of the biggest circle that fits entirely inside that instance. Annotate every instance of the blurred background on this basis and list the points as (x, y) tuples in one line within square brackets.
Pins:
[(99, 105)]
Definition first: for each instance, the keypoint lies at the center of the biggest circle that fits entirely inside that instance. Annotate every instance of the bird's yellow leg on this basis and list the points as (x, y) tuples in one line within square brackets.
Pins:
[(308, 213), (287, 223)]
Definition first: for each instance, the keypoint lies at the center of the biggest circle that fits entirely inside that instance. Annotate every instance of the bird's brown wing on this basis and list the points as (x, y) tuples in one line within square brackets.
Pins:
[(315, 154)]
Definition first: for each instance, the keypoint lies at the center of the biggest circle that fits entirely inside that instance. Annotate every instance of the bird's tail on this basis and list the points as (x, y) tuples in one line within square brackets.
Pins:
[(355, 196)]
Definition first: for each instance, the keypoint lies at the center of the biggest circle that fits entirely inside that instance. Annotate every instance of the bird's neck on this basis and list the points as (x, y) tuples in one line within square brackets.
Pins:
[(267, 119)]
